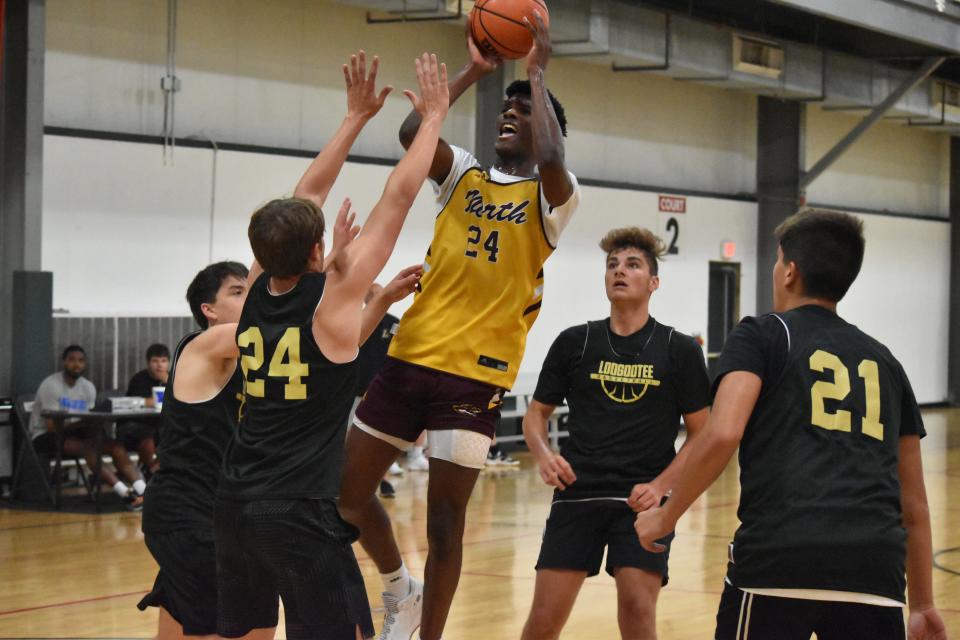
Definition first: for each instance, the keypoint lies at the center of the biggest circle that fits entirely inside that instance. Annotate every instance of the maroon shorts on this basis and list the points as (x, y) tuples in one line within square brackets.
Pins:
[(404, 399)]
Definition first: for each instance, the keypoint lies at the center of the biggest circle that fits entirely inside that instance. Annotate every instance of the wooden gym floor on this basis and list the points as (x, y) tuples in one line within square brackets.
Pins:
[(80, 576)]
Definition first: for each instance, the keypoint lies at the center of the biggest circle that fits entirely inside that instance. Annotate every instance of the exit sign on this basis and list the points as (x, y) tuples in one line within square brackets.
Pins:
[(673, 204)]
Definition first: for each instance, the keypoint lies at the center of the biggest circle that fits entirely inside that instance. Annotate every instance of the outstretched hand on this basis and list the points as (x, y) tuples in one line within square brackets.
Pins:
[(403, 284), (539, 55), (362, 98), (434, 98), (344, 232)]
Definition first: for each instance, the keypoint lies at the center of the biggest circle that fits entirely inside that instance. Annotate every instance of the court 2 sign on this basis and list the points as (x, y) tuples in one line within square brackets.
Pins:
[(672, 205)]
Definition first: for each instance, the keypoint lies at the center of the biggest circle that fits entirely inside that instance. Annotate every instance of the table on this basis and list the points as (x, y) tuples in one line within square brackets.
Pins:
[(60, 416)]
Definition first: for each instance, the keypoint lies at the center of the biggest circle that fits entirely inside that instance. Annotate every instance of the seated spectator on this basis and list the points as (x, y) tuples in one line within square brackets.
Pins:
[(68, 389), (141, 436)]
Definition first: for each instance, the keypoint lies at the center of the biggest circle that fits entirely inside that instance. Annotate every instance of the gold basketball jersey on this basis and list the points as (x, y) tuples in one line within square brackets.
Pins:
[(482, 282)]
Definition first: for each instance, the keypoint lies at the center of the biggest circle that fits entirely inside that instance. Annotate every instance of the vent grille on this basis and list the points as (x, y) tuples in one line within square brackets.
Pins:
[(757, 57)]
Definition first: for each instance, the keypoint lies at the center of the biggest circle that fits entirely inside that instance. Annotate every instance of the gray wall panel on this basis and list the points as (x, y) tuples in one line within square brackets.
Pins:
[(116, 346)]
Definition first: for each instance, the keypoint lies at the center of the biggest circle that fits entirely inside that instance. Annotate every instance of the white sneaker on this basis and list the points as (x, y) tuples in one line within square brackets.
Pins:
[(403, 616), (420, 463), (395, 469)]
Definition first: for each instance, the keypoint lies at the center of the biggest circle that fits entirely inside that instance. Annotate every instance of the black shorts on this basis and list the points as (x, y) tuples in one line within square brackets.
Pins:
[(404, 399), (186, 585), (747, 615), (131, 433), (297, 550), (577, 532)]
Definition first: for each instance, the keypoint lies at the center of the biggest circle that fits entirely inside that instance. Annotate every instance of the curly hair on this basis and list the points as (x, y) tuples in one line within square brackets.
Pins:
[(643, 240)]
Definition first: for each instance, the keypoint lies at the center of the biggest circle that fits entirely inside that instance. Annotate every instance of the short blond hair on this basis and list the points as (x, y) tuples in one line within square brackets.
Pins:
[(643, 240)]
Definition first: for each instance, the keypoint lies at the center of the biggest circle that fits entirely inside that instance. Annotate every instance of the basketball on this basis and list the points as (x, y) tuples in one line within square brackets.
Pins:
[(497, 26)]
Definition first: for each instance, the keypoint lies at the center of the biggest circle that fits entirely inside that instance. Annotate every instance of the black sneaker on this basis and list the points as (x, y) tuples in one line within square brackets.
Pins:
[(387, 490)]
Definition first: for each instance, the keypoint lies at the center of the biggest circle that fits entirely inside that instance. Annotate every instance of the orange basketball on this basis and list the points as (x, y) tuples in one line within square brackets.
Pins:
[(497, 26)]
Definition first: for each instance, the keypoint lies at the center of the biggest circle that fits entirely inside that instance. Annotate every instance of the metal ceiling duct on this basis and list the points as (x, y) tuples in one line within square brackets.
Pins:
[(626, 37)]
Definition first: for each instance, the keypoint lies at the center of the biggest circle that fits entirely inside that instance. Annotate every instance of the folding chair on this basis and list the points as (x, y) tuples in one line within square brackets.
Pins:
[(33, 474)]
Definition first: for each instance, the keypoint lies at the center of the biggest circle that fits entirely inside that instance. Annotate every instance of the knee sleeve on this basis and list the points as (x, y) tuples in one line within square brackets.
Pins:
[(459, 446)]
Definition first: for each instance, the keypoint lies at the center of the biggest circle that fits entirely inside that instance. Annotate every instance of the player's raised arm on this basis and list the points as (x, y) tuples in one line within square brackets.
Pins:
[(363, 102), (476, 68), (369, 252), (337, 325), (547, 134)]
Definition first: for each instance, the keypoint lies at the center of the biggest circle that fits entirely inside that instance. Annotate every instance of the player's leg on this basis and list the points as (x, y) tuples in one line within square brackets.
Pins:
[(553, 596), (639, 574), (637, 591), (170, 629), (448, 492), (367, 459), (571, 550), (388, 421), (756, 617), (461, 418), (854, 621)]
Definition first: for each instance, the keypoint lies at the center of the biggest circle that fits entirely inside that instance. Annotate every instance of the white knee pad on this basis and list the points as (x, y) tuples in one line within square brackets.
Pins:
[(459, 446)]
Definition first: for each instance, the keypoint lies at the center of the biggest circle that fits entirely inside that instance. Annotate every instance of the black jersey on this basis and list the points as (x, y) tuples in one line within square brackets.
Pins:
[(194, 436), (373, 352), (820, 492), (296, 402), (626, 396)]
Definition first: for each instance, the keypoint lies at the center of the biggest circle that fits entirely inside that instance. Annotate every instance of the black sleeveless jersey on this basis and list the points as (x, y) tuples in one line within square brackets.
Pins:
[(193, 438), (820, 492), (626, 395), (296, 402)]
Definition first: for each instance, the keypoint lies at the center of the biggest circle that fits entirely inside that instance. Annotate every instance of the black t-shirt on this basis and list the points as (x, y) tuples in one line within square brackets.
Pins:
[(820, 492), (373, 352), (296, 402), (626, 396), (194, 438), (142, 384)]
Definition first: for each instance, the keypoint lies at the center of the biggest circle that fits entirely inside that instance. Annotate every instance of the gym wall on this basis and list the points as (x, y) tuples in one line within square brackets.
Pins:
[(124, 232)]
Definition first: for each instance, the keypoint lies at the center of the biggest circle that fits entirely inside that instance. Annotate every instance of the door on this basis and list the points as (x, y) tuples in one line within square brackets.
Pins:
[(723, 308)]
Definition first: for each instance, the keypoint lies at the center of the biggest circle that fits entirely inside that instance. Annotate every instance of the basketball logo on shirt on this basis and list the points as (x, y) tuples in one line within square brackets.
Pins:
[(624, 383)]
